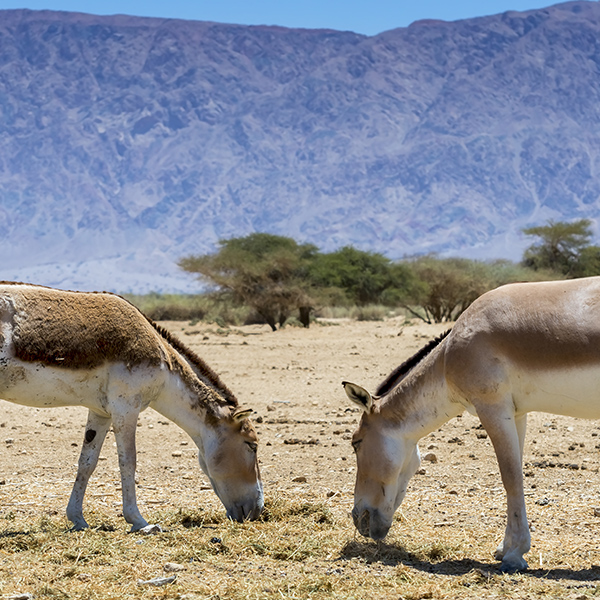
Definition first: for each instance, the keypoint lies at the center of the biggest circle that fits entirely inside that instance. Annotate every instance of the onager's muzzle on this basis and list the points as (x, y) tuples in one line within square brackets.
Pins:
[(370, 523), (246, 511)]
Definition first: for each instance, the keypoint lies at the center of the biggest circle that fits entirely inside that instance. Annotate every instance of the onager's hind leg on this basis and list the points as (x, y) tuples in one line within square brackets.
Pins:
[(95, 433), (124, 427), (507, 434)]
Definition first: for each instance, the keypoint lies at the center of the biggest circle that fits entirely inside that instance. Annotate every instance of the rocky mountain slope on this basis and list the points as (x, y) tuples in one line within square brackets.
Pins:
[(129, 142)]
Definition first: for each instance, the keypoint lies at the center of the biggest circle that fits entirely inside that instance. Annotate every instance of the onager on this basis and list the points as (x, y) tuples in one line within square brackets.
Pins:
[(517, 349), (60, 348)]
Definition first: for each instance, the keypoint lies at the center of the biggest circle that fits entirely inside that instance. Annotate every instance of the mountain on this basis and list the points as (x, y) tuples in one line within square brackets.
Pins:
[(129, 142)]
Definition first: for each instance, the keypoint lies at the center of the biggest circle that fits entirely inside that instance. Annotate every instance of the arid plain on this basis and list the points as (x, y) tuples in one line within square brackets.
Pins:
[(441, 545)]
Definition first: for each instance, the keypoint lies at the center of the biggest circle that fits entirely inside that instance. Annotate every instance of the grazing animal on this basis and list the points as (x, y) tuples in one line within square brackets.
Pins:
[(519, 348), (60, 348)]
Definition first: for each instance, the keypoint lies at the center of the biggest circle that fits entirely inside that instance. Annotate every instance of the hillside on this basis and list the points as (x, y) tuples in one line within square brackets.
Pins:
[(130, 142)]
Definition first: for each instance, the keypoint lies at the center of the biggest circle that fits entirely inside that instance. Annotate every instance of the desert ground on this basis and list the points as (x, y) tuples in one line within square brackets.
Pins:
[(442, 541)]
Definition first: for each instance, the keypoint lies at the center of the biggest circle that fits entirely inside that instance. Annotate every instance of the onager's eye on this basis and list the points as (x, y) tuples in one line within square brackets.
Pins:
[(356, 444), (253, 446)]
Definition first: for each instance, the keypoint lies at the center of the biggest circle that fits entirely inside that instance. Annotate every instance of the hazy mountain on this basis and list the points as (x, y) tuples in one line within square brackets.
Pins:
[(128, 142)]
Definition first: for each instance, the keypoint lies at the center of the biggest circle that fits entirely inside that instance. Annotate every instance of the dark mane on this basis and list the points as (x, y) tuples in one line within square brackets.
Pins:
[(203, 370), (396, 375)]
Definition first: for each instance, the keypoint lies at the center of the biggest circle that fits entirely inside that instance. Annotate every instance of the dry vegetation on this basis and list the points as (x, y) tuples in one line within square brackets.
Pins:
[(440, 546)]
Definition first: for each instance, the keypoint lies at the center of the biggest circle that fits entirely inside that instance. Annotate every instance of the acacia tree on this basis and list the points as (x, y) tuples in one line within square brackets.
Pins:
[(448, 286), (266, 272), (563, 248), (362, 276)]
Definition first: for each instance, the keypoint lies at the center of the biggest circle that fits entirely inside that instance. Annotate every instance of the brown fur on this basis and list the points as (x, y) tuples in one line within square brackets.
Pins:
[(83, 330), (78, 330)]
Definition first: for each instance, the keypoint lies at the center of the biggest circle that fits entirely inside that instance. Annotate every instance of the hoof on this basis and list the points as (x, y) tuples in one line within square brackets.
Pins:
[(150, 530), (512, 567)]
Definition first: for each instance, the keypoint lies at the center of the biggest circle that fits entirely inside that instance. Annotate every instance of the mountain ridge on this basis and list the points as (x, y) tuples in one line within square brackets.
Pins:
[(130, 142)]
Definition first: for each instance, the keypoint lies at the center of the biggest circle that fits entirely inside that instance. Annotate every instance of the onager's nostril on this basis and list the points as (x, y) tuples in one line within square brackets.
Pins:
[(362, 521)]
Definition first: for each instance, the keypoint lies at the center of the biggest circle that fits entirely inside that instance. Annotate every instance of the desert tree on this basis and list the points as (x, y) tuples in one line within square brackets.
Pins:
[(359, 277), (263, 271), (563, 248)]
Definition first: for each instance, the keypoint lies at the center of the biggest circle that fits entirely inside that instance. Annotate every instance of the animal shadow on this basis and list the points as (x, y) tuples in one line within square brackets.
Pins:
[(394, 555)]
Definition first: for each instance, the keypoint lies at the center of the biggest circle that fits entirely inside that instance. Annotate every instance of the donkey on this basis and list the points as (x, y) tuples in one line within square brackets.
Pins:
[(63, 348), (517, 349)]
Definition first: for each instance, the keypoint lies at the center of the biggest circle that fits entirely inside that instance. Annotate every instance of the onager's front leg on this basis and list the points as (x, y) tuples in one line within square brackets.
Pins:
[(95, 433), (507, 435), (124, 427)]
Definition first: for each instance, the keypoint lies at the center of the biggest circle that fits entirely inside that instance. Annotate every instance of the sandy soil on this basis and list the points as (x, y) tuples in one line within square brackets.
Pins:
[(292, 379)]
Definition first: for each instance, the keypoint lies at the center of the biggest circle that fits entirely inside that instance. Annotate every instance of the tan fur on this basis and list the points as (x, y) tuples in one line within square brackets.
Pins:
[(538, 326)]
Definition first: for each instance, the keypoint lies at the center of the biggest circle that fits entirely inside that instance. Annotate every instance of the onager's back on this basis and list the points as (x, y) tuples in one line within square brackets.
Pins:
[(75, 330), (97, 350)]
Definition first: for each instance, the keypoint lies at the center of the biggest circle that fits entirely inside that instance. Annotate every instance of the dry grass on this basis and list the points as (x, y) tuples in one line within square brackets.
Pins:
[(441, 545), (302, 548)]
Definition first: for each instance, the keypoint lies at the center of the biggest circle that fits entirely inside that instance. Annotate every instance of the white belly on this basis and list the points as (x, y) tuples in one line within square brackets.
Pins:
[(572, 392), (38, 385)]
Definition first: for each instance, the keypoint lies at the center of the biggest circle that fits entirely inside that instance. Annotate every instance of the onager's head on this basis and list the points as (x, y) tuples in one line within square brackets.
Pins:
[(229, 458), (386, 460)]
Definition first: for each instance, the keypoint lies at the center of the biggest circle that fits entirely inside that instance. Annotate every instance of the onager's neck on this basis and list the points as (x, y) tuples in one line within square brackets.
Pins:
[(189, 401), (421, 402), (178, 404)]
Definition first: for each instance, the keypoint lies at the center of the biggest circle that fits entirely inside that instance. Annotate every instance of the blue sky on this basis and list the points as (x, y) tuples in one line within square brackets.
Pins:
[(363, 16)]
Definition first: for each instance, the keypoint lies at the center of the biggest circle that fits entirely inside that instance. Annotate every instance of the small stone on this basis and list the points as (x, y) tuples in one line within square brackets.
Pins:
[(172, 567), (430, 457), (9, 440), (453, 492), (177, 453), (597, 511), (421, 471), (299, 479), (158, 581), (456, 440)]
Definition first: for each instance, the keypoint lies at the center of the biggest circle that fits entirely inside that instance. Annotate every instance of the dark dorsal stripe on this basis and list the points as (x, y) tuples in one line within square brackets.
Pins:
[(398, 373), (203, 371)]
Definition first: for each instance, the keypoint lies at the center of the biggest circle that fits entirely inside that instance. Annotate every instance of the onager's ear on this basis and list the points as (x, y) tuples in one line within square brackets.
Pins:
[(358, 395), (239, 414)]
